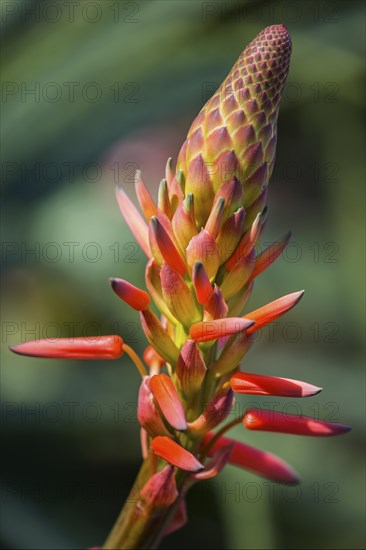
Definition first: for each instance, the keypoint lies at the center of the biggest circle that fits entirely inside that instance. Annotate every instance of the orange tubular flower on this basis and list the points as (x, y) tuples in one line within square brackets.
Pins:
[(270, 421), (98, 347), (200, 237)]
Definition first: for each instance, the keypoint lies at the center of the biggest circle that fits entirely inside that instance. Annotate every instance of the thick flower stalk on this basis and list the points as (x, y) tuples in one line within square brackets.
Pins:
[(200, 240)]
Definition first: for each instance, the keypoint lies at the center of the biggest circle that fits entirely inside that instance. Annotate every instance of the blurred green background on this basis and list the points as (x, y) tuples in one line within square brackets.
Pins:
[(90, 92)]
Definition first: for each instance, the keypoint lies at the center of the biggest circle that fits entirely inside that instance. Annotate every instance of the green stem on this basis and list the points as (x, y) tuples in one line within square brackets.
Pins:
[(138, 526)]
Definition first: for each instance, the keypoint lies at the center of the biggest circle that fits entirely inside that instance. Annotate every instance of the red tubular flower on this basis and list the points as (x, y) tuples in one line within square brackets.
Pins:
[(167, 398), (148, 414), (215, 307), (166, 246), (246, 244), (203, 248), (269, 255), (218, 328), (255, 460), (173, 453), (268, 313), (258, 384), (134, 221), (178, 296), (201, 283), (270, 421), (135, 297), (158, 337), (191, 368), (98, 347), (146, 203)]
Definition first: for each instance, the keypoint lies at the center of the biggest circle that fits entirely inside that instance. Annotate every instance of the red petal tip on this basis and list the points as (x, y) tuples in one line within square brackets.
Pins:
[(135, 297), (258, 384), (173, 453)]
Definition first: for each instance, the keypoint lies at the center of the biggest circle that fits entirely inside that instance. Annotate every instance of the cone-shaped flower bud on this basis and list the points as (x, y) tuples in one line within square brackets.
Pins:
[(160, 491), (230, 234), (148, 413), (255, 460), (271, 421), (215, 412), (163, 199), (215, 307), (269, 255), (201, 283), (205, 331), (153, 283), (178, 296), (167, 398), (158, 337), (146, 203), (179, 519), (166, 246), (273, 310), (241, 117), (135, 297), (213, 223), (238, 302), (246, 244), (258, 384), (191, 368), (134, 221), (97, 347), (220, 458), (183, 223), (238, 277), (203, 248), (173, 453), (231, 355)]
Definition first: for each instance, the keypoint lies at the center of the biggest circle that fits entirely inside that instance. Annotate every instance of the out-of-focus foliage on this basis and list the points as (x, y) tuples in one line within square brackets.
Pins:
[(116, 85)]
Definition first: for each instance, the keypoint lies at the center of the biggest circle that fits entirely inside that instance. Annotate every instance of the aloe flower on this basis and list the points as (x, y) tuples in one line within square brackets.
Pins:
[(200, 238)]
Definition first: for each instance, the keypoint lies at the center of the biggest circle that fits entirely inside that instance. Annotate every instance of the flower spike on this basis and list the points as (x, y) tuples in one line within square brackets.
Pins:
[(201, 236)]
